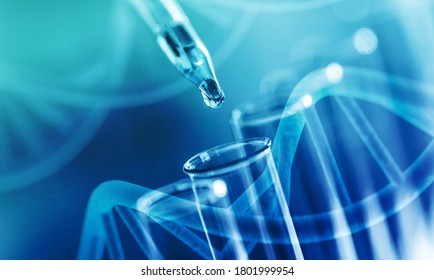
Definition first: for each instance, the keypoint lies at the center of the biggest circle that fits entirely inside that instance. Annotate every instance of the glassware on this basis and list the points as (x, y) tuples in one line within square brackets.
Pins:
[(246, 216), (353, 149), (258, 118), (127, 221)]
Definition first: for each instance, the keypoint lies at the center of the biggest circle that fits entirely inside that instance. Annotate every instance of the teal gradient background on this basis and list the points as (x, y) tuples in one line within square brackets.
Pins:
[(137, 119)]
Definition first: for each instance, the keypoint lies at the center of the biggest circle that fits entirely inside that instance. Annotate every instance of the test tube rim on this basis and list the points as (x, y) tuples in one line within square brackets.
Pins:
[(191, 166)]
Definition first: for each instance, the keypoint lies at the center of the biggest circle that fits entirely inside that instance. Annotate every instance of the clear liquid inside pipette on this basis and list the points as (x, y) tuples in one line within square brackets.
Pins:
[(192, 60), (212, 94)]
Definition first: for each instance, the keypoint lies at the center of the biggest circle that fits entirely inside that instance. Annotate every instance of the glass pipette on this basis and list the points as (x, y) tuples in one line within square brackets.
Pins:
[(182, 46)]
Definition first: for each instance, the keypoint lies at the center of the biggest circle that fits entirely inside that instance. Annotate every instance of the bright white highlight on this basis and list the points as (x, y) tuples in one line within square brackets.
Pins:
[(204, 157), (365, 41), (219, 187), (199, 62), (334, 72), (307, 100)]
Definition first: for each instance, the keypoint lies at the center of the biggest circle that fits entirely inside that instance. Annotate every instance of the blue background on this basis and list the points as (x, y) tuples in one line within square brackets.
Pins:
[(147, 142)]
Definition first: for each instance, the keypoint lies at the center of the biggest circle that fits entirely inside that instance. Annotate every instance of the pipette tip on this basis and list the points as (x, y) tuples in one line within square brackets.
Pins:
[(212, 94)]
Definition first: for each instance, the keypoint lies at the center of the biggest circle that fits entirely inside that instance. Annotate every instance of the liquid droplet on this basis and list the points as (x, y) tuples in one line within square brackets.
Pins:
[(212, 94)]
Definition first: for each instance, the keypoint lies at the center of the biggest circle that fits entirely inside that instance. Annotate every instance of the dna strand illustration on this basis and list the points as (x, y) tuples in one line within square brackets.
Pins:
[(48, 118), (351, 208)]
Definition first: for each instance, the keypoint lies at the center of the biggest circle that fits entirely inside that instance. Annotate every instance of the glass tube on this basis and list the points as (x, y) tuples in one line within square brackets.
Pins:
[(258, 118), (171, 220), (245, 215), (261, 118), (341, 159), (134, 222)]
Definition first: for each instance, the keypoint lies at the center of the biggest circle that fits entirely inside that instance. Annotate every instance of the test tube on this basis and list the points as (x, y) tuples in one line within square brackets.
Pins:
[(263, 116), (258, 118), (181, 44), (171, 220), (247, 216), (335, 217)]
